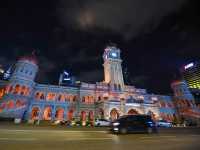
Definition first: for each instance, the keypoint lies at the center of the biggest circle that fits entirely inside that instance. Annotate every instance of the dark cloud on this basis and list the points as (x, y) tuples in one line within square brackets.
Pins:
[(91, 76), (72, 34), (130, 17)]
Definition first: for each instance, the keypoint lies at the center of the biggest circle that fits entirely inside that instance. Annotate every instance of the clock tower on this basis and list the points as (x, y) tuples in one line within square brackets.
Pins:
[(112, 66)]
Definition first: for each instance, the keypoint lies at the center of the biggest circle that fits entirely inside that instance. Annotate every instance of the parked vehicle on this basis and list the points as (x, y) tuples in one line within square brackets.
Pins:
[(164, 123), (134, 123), (102, 122)]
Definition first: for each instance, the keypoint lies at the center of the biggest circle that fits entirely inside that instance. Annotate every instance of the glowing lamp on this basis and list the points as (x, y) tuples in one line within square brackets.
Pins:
[(189, 66)]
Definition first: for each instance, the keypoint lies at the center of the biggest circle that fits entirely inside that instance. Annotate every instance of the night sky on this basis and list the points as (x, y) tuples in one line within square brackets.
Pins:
[(156, 37)]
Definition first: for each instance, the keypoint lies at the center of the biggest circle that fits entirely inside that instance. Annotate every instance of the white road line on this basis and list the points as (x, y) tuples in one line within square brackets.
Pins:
[(155, 137), (3, 138), (77, 131), (88, 139), (167, 136), (18, 139), (195, 135), (146, 137)]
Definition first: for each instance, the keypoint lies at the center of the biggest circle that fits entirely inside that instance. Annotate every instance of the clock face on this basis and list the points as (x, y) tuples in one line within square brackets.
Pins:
[(113, 54)]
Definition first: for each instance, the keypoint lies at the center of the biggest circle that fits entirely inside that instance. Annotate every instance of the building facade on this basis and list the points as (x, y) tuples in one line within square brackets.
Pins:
[(191, 74), (21, 97)]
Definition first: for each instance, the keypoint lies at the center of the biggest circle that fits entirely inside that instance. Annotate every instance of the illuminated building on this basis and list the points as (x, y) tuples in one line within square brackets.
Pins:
[(21, 97), (191, 74), (184, 101)]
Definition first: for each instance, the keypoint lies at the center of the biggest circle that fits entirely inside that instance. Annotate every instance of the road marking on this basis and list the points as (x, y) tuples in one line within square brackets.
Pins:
[(3, 138), (167, 136), (17, 139), (146, 137), (88, 139), (77, 131), (156, 137), (195, 135)]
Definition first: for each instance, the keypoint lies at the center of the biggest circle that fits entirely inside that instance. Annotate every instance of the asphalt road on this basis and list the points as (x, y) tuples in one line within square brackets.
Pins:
[(50, 138)]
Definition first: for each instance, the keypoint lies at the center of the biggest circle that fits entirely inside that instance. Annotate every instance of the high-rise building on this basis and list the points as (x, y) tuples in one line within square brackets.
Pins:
[(191, 74)]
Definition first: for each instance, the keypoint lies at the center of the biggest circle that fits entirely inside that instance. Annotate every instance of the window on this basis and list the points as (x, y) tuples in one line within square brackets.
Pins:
[(88, 99), (61, 98), (51, 96), (39, 96), (17, 89), (10, 104), (26, 71), (2, 92), (23, 90)]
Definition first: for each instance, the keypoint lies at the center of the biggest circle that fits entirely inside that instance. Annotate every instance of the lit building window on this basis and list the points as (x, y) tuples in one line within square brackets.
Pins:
[(2, 92), (17, 89), (19, 103), (10, 89), (27, 91), (61, 98), (10, 104), (88, 99), (23, 90), (39, 96), (51, 96)]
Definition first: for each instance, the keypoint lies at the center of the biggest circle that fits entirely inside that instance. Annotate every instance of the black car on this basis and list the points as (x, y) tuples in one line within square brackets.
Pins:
[(134, 123)]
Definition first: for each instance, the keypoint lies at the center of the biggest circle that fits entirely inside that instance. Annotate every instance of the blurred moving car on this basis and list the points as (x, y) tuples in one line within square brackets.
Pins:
[(164, 123), (134, 123), (102, 122)]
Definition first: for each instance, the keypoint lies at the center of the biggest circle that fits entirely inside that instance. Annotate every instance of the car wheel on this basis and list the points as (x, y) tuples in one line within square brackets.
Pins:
[(149, 130), (98, 124), (123, 131)]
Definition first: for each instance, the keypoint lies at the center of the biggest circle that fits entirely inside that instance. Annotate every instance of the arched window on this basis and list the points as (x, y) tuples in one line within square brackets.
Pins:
[(35, 113), (133, 112), (42, 96), (70, 114), (7, 89), (91, 116), (61, 98), (74, 98), (37, 95), (27, 91), (83, 116), (59, 114), (47, 113), (10, 104), (114, 114), (23, 90), (67, 97), (17, 89), (19, 103), (71, 99), (83, 99), (10, 89), (2, 92), (51, 96), (99, 98)]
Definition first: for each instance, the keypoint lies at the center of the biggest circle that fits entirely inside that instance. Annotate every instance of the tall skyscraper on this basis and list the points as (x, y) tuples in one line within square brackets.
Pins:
[(191, 74)]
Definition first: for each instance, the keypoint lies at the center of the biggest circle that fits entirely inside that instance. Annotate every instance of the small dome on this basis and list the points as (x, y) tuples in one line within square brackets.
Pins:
[(30, 58), (177, 82)]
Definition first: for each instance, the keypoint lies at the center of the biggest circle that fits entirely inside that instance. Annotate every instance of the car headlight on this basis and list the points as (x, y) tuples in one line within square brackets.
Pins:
[(116, 123)]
